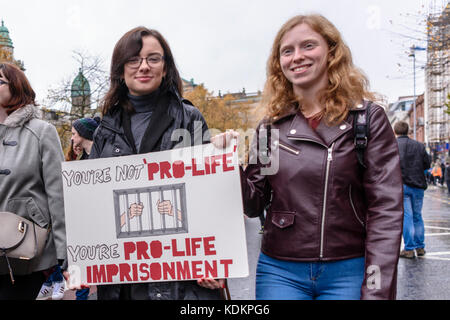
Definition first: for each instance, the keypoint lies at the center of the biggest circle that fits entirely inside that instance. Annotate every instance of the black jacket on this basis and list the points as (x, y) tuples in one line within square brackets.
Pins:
[(113, 138), (414, 160)]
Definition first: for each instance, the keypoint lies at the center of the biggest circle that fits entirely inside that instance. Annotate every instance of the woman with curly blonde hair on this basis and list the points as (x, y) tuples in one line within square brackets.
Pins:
[(334, 224)]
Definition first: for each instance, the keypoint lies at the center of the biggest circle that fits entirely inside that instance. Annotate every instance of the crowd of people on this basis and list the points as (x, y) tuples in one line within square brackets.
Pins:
[(334, 210)]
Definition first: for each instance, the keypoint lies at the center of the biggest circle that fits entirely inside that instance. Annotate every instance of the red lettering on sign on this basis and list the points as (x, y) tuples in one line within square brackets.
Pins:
[(88, 272), (155, 271), (142, 248), (196, 172), (175, 251), (225, 263), (111, 271), (143, 268), (156, 249), (195, 245), (128, 248), (98, 274), (226, 161), (209, 247), (169, 270), (183, 271), (178, 169), (164, 168), (124, 274), (211, 271)]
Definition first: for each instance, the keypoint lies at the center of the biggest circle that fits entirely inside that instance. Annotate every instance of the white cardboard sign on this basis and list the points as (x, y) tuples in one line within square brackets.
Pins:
[(163, 216)]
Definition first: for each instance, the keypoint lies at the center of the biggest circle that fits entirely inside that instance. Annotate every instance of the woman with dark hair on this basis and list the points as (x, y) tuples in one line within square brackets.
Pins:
[(143, 112), (334, 224), (30, 183)]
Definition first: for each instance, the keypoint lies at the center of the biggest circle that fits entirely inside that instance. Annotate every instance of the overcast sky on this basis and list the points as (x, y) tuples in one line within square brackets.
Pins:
[(222, 44)]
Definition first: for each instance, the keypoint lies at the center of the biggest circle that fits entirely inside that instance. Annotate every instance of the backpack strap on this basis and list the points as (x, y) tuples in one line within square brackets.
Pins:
[(361, 130)]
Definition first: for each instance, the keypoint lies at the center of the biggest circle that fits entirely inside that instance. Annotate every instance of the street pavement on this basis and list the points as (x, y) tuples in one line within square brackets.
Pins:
[(428, 277), (424, 278)]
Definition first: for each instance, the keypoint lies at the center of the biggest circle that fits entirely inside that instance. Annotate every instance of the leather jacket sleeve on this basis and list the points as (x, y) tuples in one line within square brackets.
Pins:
[(383, 187), (256, 189)]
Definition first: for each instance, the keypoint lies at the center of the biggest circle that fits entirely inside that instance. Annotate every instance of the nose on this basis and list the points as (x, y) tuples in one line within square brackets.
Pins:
[(144, 65), (298, 55)]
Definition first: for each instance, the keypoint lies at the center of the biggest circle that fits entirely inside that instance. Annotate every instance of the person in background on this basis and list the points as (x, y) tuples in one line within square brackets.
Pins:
[(414, 160), (81, 144), (53, 287), (73, 153), (30, 183), (333, 226), (447, 174), (82, 135), (436, 172)]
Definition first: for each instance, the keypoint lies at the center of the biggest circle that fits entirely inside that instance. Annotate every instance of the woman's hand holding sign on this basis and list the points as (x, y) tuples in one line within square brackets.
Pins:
[(223, 140)]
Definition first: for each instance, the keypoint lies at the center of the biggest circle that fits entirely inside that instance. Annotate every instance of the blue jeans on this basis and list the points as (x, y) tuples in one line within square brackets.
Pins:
[(290, 280), (56, 276), (413, 227)]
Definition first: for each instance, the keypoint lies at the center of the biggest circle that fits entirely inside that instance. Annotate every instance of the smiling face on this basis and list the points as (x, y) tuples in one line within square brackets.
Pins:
[(146, 78), (303, 59), (5, 93)]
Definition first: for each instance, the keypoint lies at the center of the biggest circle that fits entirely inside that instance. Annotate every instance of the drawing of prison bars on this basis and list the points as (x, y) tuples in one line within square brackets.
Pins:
[(151, 222)]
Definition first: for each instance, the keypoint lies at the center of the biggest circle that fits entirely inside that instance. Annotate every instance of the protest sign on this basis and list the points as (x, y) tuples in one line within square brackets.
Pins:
[(162, 216)]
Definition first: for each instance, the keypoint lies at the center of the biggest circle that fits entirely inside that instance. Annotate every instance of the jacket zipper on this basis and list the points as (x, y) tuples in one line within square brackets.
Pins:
[(353, 206), (325, 194), (324, 207), (296, 152)]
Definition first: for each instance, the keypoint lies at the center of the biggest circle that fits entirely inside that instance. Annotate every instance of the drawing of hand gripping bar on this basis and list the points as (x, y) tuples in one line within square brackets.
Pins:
[(150, 211)]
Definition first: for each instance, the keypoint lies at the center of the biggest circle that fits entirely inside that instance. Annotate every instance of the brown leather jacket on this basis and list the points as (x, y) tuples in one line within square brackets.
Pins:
[(323, 205)]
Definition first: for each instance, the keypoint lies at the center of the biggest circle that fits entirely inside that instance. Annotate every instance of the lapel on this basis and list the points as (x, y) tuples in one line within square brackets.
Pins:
[(159, 122), (299, 129)]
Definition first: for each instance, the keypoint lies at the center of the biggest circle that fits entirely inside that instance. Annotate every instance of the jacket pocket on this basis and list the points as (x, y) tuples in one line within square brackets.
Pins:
[(283, 219), (27, 208), (353, 206)]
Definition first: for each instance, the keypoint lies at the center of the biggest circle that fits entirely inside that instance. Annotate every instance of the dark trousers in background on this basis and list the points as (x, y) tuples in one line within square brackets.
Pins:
[(24, 288)]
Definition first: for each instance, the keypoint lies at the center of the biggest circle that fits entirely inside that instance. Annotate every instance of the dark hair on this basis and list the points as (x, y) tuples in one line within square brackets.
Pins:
[(21, 92), (127, 47), (401, 128)]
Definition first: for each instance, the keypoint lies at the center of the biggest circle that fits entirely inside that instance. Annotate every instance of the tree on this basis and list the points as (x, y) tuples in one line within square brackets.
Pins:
[(91, 85), (220, 113), (94, 84), (225, 112)]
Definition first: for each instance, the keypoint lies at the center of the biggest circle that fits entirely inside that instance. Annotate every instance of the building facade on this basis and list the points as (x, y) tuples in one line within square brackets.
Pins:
[(437, 78), (420, 123), (7, 47)]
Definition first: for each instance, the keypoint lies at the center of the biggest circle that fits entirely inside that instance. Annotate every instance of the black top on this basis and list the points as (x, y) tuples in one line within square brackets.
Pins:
[(414, 160), (144, 107)]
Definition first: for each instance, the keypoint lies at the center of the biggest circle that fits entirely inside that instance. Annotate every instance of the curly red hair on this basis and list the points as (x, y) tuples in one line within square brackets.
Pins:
[(347, 85)]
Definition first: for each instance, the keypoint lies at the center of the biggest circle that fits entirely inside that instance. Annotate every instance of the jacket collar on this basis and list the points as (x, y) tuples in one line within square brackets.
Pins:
[(299, 129), (160, 120), (21, 116)]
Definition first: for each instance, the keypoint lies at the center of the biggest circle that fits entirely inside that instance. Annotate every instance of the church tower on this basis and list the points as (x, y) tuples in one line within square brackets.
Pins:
[(81, 96), (5, 41), (7, 48)]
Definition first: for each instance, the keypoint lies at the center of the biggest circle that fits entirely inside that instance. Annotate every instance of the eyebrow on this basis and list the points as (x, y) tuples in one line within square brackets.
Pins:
[(301, 43)]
